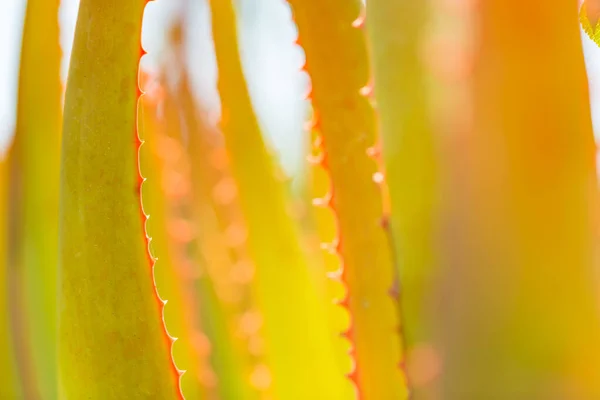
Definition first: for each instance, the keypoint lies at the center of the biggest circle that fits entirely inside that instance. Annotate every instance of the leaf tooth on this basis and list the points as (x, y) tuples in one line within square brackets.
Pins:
[(337, 276), (309, 90), (379, 178), (359, 22), (318, 142), (353, 375), (345, 304), (316, 122), (374, 152), (394, 292), (324, 201), (331, 247), (316, 159), (367, 90), (308, 126)]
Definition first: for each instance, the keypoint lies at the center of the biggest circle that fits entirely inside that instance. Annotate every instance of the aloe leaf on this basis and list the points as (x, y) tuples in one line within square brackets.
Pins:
[(223, 298), (299, 357), (336, 60), (112, 339), (36, 152), (170, 275), (232, 383), (397, 39), (333, 290), (206, 256), (521, 320), (9, 384)]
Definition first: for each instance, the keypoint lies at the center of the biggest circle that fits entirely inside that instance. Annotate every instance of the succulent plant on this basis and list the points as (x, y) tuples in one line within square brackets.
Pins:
[(450, 250)]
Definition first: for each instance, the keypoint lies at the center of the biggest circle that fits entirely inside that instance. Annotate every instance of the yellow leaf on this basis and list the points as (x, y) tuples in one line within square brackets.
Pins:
[(520, 319), (336, 60), (112, 341), (397, 39), (301, 362), (9, 385), (36, 152), (221, 257), (170, 277)]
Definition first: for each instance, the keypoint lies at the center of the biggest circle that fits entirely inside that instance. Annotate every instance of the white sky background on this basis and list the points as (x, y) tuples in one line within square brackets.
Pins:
[(592, 61), (271, 61), (272, 64)]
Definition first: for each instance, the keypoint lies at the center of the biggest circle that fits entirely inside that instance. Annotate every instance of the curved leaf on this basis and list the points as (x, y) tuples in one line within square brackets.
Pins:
[(223, 299), (169, 275), (397, 34), (521, 263), (112, 339), (300, 359), (336, 60), (37, 149), (9, 384)]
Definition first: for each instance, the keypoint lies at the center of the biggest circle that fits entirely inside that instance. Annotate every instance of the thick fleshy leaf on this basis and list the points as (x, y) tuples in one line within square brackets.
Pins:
[(328, 264), (170, 274), (224, 285), (336, 60), (36, 168), (297, 347), (397, 38), (9, 385), (112, 339), (232, 380), (520, 319)]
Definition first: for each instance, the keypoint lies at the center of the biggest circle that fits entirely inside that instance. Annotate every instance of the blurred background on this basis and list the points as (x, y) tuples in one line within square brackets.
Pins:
[(272, 64), (271, 61)]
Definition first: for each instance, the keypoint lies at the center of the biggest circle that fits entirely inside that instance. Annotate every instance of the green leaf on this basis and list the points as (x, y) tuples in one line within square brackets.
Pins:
[(337, 62), (172, 282), (112, 340), (215, 210), (520, 252), (9, 384), (397, 36), (301, 362), (37, 157)]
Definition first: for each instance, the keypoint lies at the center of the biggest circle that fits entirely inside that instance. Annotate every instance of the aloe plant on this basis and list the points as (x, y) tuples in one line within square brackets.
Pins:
[(34, 171), (450, 253), (527, 209), (408, 148), (9, 385), (112, 339), (179, 313), (336, 61), (293, 318)]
